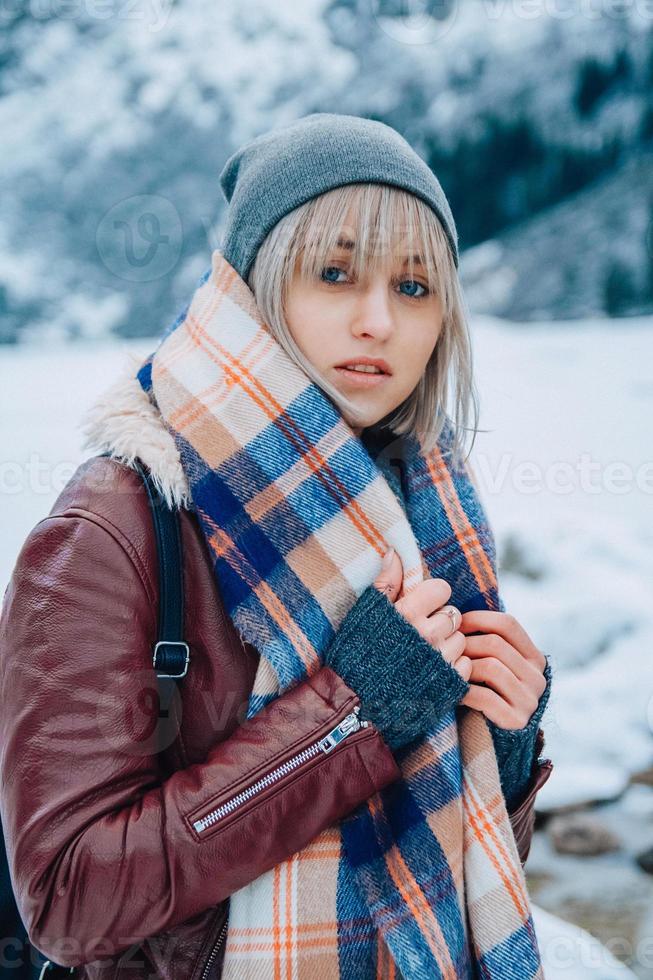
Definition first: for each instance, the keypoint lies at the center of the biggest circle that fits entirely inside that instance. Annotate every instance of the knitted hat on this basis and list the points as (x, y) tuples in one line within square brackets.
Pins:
[(276, 172)]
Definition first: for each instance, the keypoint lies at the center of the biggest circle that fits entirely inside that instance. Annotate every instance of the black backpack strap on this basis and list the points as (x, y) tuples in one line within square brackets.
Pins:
[(171, 654)]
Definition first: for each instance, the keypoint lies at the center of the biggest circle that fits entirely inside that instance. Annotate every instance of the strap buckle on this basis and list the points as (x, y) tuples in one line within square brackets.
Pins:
[(171, 643), (51, 971)]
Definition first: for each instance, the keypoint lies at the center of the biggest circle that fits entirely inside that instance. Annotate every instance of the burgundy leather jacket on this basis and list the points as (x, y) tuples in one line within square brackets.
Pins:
[(113, 869)]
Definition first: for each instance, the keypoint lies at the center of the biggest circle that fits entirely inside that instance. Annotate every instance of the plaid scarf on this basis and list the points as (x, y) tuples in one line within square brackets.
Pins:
[(423, 879)]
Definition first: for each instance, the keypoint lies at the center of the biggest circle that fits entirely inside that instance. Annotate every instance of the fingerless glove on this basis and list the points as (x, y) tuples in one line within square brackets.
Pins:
[(405, 685)]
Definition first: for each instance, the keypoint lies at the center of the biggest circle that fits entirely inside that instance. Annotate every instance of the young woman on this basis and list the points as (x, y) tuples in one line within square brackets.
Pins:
[(349, 786)]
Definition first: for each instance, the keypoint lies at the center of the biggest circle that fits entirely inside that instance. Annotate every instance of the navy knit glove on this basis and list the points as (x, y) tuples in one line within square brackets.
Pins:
[(405, 685), (515, 750)]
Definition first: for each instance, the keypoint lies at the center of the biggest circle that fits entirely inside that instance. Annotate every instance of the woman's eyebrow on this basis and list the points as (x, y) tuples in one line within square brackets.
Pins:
[(349, 244)]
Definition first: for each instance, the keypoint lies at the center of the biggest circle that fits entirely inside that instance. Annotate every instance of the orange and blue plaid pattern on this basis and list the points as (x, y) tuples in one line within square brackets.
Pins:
[(424, 878)]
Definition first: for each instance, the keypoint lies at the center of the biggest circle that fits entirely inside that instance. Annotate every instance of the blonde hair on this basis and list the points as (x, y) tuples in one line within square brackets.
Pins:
[(383, 214)]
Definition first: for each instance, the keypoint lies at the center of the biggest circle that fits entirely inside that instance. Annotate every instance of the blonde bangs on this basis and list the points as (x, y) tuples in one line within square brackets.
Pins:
[(386, 220)]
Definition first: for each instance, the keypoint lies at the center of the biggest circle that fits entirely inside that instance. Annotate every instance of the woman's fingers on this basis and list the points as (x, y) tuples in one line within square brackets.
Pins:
[(390, 575), (493, 647), (439, 628), (506, 626), (513, 711), (495, 674), (446, 620), (451, 647), (442, 626), (425, 598), (464, 667), (493, 706)]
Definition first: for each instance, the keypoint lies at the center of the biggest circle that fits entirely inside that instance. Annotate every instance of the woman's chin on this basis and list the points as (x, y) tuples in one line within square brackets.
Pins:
[(357, 425), (369, 410)]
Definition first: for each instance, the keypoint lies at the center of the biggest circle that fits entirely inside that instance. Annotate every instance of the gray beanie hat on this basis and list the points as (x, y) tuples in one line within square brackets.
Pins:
[(276, 172)]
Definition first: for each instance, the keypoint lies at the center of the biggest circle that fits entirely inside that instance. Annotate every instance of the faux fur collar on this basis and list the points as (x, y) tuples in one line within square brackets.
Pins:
[(122, 421)]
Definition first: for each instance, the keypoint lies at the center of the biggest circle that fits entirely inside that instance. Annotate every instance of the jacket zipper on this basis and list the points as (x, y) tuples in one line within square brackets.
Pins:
[(216, 948), (349, 724)]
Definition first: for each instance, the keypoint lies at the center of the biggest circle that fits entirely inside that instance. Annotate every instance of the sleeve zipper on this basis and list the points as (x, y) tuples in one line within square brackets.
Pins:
[(349, 724)]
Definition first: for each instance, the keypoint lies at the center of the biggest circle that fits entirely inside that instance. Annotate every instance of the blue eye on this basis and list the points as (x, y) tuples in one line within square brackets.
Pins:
[(414, 283), (330, 268)]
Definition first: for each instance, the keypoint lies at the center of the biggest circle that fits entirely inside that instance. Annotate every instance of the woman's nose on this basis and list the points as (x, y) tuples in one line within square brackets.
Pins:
[(374, 314)]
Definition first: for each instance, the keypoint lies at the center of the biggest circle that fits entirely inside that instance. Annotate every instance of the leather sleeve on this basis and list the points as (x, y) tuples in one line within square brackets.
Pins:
[(103, 850)]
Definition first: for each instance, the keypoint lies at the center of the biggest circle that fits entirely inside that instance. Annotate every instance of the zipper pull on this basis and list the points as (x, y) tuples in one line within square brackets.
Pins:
[(349, 724)]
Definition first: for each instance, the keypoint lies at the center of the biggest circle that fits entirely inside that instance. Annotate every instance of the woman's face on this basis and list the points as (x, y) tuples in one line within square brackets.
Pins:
[(389, 315)]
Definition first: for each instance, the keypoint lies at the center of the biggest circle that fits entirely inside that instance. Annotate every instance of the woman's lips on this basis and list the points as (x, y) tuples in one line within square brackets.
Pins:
[(362, 379)]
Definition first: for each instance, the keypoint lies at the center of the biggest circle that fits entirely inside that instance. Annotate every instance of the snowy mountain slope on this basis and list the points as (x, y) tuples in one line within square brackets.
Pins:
[(593, 251)]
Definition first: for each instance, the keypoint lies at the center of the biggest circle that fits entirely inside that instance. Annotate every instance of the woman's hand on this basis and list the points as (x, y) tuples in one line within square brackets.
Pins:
[(507, 676), (425, 608)]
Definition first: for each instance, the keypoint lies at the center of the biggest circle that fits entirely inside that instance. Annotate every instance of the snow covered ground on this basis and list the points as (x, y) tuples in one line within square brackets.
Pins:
[(566, 473)]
